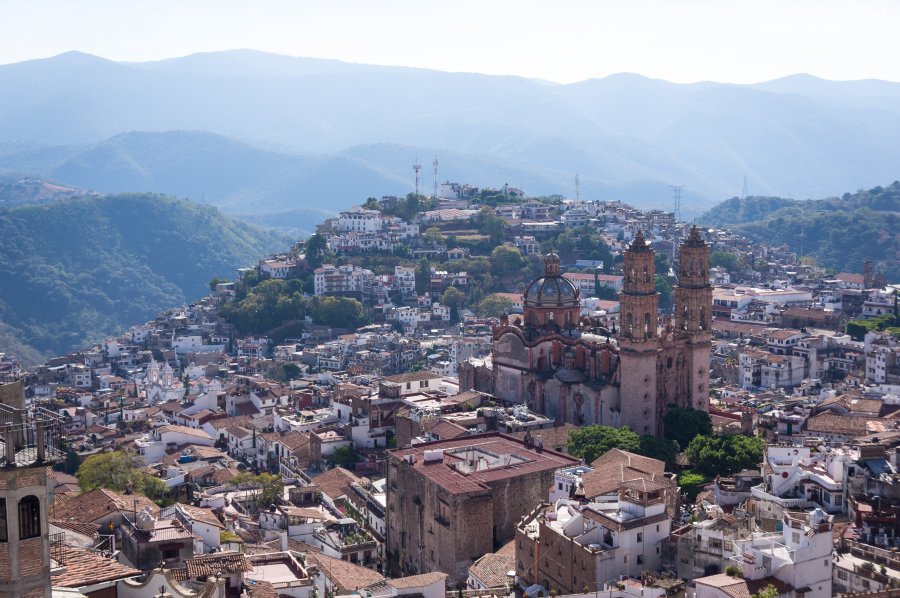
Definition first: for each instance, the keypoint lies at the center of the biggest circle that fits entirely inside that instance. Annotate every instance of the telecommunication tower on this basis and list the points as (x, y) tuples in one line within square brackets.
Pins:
[(435, 164), (577, 188), (676, 196), (417, 167)]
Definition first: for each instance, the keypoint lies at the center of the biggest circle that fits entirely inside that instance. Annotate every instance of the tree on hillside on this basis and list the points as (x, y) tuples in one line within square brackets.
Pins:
[(507, 261), (432, 236), (216, 281), (343, 456), (682, 424), (316, 250), (423, 276), (659, 448), (589, 442), (491, 225), (493, 306), (116, 471), (340, 312), (270, 488), (724, 259), (725, 455)]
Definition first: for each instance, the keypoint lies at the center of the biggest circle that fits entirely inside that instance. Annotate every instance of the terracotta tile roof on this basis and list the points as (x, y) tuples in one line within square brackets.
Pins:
[(85, 568), (445, 430), (491, 569), (260, 589), (85, 529), (201, 514), (412, 377), (417, 581), (185, 430), (225, 422), (555, 438), (336, 482), (345, 575), (832, 423), (218, 564), (445, 473), (224, 474), (96, 504), (294, 440), (738, 587), (782, 335), (616, 466)]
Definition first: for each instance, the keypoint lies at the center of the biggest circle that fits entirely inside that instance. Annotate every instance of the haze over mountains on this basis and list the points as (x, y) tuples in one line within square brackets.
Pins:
[(261, 134)]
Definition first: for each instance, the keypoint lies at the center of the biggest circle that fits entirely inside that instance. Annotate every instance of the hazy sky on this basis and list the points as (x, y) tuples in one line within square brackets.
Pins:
[(678, 40)]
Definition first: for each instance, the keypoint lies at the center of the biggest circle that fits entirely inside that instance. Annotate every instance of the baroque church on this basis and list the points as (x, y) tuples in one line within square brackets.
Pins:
[(576, 370)]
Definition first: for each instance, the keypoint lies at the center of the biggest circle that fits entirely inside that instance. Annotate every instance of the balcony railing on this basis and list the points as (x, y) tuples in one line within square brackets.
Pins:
[(30, 436)]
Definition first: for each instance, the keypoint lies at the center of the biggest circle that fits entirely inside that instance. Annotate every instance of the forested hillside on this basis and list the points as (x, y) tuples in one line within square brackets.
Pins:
[(76, 270), (840, 233)]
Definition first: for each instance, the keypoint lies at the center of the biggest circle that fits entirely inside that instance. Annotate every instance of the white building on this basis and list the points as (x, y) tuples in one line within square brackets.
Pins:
[(797, 561), (360, 220)]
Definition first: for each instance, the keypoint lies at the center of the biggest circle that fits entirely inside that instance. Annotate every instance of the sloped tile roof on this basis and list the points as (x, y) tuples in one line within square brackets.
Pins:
[(343, 574), (96, 504), (84, 568)]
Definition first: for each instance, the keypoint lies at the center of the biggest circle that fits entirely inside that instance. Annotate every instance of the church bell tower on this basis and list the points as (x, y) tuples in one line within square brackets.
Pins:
[(693, 304), (638, 336), (31, 441)]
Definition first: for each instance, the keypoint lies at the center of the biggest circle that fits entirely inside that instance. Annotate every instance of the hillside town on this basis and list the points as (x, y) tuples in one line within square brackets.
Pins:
[(511, 396)]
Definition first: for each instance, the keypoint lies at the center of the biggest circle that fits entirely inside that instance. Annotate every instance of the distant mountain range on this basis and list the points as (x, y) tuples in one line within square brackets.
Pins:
[(283, 133), (76, 270), (840, 233)]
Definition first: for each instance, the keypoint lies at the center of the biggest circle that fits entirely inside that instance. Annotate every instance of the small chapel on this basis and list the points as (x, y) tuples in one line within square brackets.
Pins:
[(581, 370)]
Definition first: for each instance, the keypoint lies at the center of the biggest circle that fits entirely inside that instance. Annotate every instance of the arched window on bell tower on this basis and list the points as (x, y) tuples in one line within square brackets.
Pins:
[(646, 325), (29, 517), (3, 533), (629, 325), (702, 322)]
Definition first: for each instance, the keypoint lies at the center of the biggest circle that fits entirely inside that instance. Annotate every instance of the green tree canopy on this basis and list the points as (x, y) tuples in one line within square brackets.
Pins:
[(316, 250), (339, 312), (659, 448), (270, 487), (682, 424), (589, 442), (116, 471), (423, 276), (725, 455), (343, 456), (507, 261), (493, 306), (453, 298), (691, 483), (724, 259), (491, 225)]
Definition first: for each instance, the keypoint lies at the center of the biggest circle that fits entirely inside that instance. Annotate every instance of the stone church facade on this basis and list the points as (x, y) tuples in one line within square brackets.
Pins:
[(576, 370)]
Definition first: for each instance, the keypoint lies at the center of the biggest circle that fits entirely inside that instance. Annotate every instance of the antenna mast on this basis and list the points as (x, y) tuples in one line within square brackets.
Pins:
[(744, 189), (417, 167), (676, 196), (435, 164), (577, 188)]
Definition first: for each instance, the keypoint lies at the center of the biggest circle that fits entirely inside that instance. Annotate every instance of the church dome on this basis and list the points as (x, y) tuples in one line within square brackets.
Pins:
[(551, 290)]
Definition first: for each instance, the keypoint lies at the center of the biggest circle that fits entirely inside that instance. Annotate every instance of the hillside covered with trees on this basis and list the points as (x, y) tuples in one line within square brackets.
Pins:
[(76, 270), (839, 233)]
